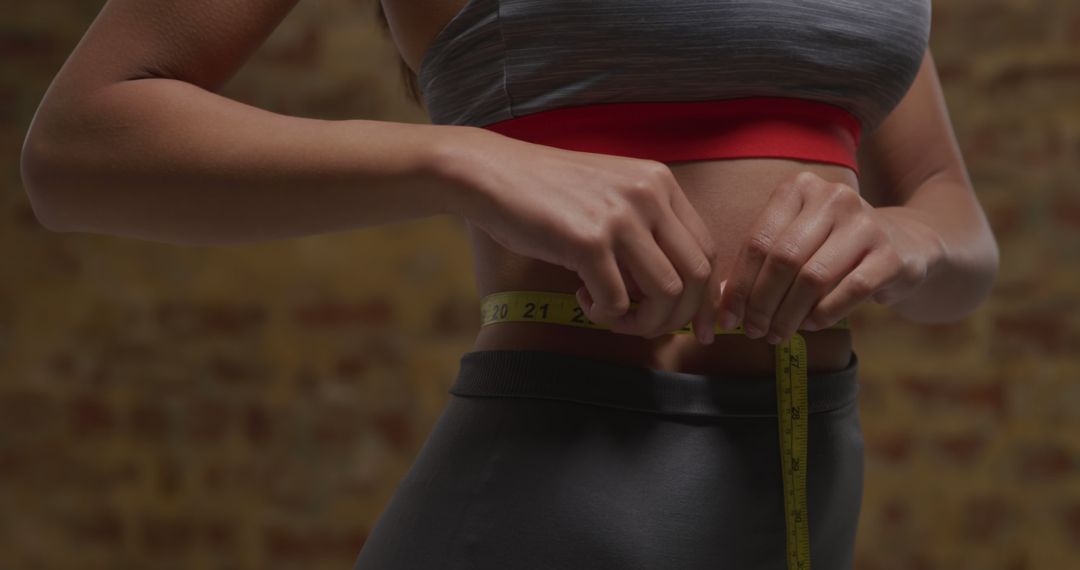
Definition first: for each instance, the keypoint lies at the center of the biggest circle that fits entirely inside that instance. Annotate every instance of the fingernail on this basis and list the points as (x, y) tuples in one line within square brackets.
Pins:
[(727, 320), (583, 298), (752, 331), (707, 336), (773, 338)]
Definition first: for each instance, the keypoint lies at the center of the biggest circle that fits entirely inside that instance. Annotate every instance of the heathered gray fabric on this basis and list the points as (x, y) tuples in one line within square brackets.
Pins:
[(499, 59)]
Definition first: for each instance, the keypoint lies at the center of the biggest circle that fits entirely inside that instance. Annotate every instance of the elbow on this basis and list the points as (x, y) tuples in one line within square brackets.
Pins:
[(978, 280), (40, 172), (984, 275), (990, 267), (984, 266), (956, 294)]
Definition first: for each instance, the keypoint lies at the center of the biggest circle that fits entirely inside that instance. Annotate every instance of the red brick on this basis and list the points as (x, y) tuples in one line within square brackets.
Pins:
[(962, 448), (452, 317), (953, 72), (163, 535), (894, 447), (395, 428), (1016, 290), (236, 371), (214, 477), (170, 476), (207, 419), (148, 421), (218, 534), (193, 319), (332, 314), (918, 561), (26, 412), (118, 356), (26, 219), (385, 350), (352, 366), (89, 416), (26, 45), (258, 426), (982, 143), (311, 544), (336, 424), (949, 335), (62, 365), (866, 561), (935, 391), (871, 393), (58, 260), (894, 514), (984, 27), (1071, 523), (98, 527), (1066, 211), (308, 382), (1045, 460), (1019, 159), (1006, 219), (1043, 331), (1027, 71), (1042, 149), (1018, 561), (985, 518), (247, 477)]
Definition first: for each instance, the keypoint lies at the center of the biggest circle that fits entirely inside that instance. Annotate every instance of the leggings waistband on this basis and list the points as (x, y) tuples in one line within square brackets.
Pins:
[(558, 376)]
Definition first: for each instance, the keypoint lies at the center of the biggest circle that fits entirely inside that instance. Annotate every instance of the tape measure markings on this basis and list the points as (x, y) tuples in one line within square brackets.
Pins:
[(791, 394)]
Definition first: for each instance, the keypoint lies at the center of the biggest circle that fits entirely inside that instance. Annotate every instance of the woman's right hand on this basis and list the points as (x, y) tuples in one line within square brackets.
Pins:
[(622, 224)]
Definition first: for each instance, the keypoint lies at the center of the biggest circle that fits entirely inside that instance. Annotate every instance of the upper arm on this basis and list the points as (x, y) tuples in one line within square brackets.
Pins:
[(914, 143), (203, 42)]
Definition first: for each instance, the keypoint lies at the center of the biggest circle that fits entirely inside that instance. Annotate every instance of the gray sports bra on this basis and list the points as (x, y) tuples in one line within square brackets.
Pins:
[(501, 59)]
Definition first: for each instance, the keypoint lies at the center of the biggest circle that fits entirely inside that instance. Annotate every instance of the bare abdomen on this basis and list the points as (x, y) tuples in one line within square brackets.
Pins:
[(729, 195)]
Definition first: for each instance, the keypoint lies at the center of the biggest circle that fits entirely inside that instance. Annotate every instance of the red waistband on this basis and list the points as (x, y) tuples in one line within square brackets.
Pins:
[(780, 127)]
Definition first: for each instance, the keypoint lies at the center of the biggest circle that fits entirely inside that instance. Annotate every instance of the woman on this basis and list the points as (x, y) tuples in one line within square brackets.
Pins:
[(685, 159)]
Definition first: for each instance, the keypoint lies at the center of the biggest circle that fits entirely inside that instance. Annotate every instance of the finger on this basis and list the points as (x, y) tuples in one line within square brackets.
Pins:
[(872, 272), (841, 252), (688, 215), (694, 267), (783, 205), (795, 245), (636, 294), (657, 278), (605, 287), (704, 320)]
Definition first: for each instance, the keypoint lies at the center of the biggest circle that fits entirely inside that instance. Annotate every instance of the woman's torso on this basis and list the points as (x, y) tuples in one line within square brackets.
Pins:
[(728, 194)]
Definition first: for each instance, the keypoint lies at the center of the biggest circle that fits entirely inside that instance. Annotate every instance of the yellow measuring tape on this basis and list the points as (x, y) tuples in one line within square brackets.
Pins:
[(791, 394)]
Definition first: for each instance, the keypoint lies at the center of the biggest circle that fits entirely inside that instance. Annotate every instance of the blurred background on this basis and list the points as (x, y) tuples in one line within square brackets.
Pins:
[(254, 406)]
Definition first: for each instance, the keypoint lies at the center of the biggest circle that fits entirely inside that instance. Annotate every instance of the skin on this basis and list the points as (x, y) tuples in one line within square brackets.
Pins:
[(228, 172), (910, 235)]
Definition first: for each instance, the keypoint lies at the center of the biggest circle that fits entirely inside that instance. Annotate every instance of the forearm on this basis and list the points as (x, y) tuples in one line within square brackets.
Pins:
[(961, 278), (167, 161)]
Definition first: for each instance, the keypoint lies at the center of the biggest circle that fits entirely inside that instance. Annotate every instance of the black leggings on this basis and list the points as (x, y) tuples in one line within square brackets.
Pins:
[(544, 460)]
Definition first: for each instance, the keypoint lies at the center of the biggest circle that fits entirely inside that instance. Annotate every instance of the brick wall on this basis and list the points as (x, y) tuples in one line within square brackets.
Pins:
[(156, 411)]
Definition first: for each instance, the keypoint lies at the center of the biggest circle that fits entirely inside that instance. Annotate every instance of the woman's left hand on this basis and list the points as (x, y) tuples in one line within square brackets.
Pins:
[(818, 251)]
